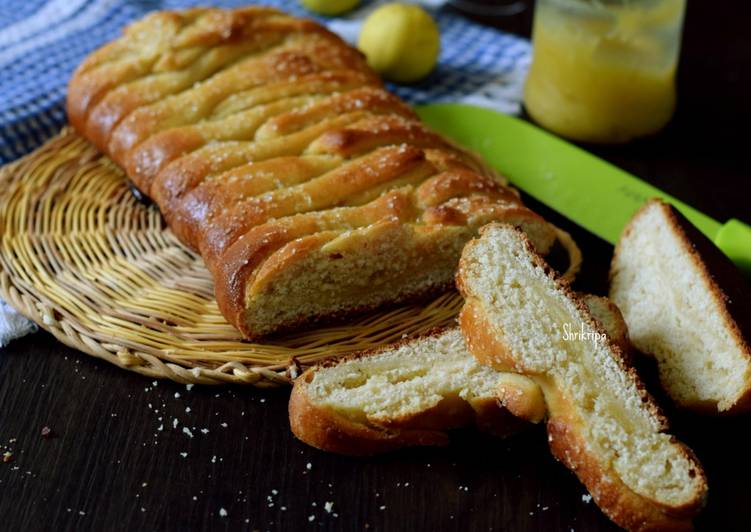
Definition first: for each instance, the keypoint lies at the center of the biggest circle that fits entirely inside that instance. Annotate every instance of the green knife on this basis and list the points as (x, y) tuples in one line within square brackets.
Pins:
[(593, 193)]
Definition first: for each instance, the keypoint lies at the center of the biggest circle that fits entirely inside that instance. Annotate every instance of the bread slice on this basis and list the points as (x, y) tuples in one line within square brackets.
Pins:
[(412, 392), (407, 394), (602, 424), (688, 306)]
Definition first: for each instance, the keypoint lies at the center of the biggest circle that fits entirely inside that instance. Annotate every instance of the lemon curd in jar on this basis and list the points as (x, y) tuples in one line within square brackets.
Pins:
[(604, 71)]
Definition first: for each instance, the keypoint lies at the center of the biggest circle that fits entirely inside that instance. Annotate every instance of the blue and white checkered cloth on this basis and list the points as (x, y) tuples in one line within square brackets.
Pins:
[(42, 41)]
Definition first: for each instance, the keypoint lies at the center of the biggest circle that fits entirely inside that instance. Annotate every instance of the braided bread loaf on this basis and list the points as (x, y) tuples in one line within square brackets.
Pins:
[(273, 150)]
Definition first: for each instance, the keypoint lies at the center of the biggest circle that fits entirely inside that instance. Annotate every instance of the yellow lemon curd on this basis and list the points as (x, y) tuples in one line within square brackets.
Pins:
[(604, 71)]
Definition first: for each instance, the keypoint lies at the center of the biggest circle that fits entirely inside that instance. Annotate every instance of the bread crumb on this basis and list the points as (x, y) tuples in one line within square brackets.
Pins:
[(187, 432), (177, 395), (7, 457), (308, 466), (328, 506), (189, 387), (184, 455), (586, 498), (311, 518), (222, 512)]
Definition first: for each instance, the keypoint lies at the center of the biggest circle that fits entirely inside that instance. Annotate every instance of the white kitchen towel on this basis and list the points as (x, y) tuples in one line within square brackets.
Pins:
[(12, 324)]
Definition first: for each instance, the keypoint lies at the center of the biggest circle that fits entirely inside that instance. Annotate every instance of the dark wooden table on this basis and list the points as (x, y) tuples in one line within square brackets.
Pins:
[(116, 460)]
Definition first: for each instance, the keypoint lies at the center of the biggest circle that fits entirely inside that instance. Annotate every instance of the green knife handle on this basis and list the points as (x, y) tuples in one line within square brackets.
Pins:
[(734, 239)]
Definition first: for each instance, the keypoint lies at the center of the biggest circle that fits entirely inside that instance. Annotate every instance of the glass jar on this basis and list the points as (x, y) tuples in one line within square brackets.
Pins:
[(604, 70)]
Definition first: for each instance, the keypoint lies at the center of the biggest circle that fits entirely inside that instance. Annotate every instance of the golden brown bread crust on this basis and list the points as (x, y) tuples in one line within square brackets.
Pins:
[(486, 346), (231, 120), (727, 287), (625, 507), (327, 430), (621, 504), (522, 397), (324, 429)]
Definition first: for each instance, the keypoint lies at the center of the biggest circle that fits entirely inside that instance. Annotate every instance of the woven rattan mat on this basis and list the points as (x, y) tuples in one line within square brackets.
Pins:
[(100, 271)]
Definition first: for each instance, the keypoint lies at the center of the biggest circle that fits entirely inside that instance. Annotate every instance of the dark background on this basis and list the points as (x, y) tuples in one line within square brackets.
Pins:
[(109, 466)]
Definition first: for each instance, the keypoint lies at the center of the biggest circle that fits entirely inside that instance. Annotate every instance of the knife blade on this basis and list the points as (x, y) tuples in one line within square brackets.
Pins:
[(595, 194)]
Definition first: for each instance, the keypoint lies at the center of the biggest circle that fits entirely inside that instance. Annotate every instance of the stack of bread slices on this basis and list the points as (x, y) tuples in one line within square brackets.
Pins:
[(529, 349)]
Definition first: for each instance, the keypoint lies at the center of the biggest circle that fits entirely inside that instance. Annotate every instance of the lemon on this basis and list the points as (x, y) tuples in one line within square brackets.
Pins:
[(329, 7), (401, 42)]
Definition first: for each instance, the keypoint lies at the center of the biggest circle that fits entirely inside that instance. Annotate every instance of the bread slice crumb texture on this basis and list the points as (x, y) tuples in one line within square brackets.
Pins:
[(410, 379), (675, 312)]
